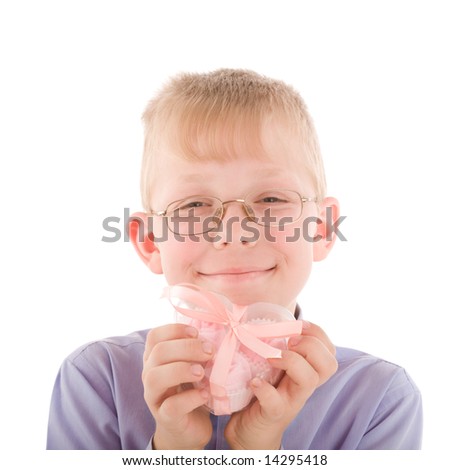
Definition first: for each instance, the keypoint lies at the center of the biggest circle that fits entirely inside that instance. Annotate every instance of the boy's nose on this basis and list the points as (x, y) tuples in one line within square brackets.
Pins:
[(234, 205), (236, 226)]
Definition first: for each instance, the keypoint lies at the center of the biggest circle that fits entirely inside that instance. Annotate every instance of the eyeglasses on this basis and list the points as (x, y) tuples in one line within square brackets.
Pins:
[(196, 215)]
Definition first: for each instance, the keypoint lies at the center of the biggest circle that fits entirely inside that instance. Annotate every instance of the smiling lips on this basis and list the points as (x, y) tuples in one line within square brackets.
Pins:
[(238, 273)]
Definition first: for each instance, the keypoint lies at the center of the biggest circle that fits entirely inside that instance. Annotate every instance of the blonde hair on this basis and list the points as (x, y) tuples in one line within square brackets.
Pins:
[(220, 116)]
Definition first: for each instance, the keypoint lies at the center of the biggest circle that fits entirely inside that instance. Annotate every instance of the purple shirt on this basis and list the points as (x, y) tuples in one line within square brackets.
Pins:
[(98, 403)]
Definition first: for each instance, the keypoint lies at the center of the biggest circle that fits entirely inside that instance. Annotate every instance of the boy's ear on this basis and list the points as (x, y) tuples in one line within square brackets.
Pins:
[(143, 241), (325, 234)]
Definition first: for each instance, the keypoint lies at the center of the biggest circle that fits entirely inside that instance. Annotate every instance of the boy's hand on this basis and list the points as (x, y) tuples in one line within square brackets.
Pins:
[(173, 356), (309, 362)]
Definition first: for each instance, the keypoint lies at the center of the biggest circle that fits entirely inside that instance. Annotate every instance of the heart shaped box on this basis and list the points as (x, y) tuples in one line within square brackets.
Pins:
[(245, 363)]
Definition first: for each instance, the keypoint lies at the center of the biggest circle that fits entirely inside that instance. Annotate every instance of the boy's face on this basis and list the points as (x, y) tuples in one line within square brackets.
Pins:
[(274, 266)]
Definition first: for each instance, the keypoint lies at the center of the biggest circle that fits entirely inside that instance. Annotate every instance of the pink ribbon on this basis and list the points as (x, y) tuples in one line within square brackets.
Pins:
[(203, 305)]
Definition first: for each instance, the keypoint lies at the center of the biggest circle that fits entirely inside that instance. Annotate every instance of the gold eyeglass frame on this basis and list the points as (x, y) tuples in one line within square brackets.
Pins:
[(247, 208)]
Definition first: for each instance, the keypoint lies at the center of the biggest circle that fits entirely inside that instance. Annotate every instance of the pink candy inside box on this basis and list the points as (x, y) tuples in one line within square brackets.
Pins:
[(243, 337)]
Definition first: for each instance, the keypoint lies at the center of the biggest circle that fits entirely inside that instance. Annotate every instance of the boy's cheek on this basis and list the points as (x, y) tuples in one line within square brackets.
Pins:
[(291, 234), (179, 250), (159, 230)]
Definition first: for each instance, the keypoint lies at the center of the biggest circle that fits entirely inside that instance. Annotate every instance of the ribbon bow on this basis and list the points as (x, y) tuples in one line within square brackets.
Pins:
[(200, 304)]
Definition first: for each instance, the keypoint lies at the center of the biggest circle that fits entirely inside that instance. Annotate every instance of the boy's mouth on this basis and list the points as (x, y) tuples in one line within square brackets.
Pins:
[(238, 274)]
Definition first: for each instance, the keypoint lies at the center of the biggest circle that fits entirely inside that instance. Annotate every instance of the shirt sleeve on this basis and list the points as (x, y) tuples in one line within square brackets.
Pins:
[(82, 411), (398, 420)]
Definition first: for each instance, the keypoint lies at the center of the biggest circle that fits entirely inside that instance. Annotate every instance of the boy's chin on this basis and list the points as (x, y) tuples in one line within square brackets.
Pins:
[(249, 298), (240, 296)]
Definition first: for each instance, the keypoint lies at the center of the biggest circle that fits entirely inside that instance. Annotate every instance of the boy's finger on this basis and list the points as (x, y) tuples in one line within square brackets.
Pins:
[(310, 329), (185, 349), (270, 401), (316, 354), (166, 333), (158, 380), (308, 364), (182, 404), (300, 380)]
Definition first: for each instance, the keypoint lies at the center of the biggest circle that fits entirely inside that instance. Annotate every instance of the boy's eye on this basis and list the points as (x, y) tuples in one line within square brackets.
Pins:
[(192, 204), (271, 199), (197, 206)]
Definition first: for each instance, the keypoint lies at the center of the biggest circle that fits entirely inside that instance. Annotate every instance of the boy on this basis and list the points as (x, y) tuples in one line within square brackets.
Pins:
[(234, 194)]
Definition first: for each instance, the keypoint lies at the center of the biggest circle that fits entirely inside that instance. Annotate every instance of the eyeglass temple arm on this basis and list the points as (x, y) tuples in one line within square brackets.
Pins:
[(158, 213), (309, 199)]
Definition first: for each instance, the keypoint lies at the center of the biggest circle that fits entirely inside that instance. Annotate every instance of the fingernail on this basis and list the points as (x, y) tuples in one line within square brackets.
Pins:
[(256, 382), (294, 341), (305, 324), (207, 347), (197, 370), (191, 332)]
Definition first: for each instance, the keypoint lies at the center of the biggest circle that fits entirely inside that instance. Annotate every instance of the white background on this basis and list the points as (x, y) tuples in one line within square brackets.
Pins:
[(75, 79)]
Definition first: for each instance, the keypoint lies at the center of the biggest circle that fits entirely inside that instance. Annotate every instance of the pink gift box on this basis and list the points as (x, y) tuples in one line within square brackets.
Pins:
[(244, 337)]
